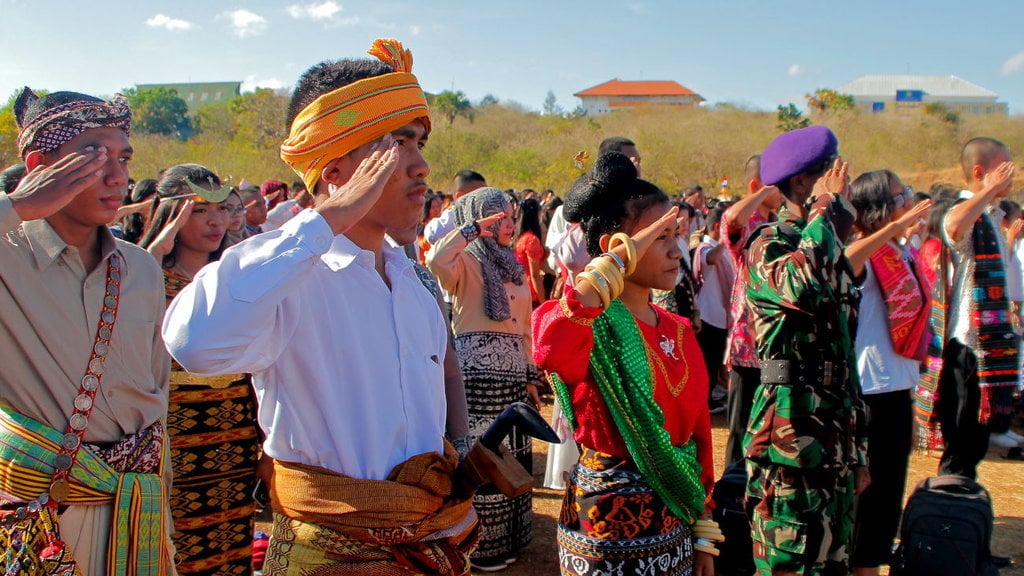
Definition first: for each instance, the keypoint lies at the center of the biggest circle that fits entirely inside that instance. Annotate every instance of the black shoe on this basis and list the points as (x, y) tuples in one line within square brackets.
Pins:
[(488, 564), (1001, 561)]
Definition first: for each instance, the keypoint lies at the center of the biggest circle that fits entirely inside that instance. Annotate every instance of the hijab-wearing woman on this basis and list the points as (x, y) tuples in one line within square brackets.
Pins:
[(491, 315), (236, 230), (633, 385), (211, 421), (890, 344)]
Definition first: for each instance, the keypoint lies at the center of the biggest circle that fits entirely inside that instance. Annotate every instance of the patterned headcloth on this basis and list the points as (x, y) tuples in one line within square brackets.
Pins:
[(497, 263), (47, 123), (344, 119)]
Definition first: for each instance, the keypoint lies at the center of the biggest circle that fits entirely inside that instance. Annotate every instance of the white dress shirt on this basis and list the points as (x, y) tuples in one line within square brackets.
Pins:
[(348, 373)]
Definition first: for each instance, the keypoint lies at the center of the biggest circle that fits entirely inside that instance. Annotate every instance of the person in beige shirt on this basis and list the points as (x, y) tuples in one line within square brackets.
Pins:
[(491, 308), (57, 263)]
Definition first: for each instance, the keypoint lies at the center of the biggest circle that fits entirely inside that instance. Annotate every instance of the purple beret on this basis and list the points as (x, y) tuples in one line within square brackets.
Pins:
[(797, 151)]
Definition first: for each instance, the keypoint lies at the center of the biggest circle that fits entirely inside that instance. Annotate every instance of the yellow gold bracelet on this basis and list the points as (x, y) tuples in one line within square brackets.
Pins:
[(625, 240), (605, 268), (599, 283)]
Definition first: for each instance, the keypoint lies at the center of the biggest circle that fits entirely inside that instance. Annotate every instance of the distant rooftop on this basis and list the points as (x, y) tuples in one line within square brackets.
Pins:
[(618, 87), (938, 87)]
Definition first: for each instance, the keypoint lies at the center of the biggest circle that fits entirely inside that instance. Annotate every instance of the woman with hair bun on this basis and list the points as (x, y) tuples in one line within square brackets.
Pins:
[(633, 385)]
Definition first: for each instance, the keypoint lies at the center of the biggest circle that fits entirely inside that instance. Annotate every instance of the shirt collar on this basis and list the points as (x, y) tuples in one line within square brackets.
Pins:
[(344, 252), (47, 245)]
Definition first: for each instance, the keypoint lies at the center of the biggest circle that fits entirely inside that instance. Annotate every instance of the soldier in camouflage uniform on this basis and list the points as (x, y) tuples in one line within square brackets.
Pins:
[(805, 444)]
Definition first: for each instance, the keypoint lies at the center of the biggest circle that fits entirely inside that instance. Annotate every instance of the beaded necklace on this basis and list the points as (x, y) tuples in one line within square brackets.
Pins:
[(622, 372)]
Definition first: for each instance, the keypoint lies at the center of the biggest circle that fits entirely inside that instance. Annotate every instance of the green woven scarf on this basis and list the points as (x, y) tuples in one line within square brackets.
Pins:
[(623, 375)]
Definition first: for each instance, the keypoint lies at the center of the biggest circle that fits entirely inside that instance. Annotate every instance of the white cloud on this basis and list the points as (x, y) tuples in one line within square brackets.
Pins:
[(795, 70), (638, 8), (168, 23), (246, 23), (414, 30), (250, 84), (1012, 65), (322, 11)]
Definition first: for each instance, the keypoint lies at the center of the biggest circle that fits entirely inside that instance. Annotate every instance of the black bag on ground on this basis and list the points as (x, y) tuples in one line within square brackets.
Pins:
[(946, 529), (737, 552)]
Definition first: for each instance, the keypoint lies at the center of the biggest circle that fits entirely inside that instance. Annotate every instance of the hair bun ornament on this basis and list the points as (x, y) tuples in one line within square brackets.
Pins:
[(391, 52), (215, 195), (580, 159)]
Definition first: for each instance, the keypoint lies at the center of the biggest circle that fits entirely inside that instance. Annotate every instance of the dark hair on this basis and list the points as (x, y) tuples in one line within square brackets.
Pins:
[(936, 215), (752, 169), (529, 218), (871, 195), (11, 177), (133, 226), (547, 210), (685, 206), (427, 204), (980, 151), (1011, 209), (714, 216), (172, 183), (608, 197), (328, 76), (614, 144)]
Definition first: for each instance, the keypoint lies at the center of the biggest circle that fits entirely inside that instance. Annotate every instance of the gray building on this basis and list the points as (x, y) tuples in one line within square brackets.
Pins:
[(905, 93)]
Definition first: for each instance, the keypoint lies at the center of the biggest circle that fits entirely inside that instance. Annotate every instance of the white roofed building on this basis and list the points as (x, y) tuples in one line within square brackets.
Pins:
[(910, 93)]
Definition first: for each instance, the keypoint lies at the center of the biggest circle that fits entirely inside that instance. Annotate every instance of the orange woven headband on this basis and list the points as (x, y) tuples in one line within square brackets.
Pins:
[(342, 120)]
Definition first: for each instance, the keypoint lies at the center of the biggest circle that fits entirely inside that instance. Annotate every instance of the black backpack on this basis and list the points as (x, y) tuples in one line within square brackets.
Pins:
[(737, 552), (946, 529)]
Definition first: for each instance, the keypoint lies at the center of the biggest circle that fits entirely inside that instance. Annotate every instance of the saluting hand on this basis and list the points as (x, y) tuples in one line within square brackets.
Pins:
[(351, 201), (45, 190), (164, 241), (836, 180)]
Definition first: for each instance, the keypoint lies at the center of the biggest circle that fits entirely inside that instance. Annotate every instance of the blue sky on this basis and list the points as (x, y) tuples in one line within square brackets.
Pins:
[(755, 53)]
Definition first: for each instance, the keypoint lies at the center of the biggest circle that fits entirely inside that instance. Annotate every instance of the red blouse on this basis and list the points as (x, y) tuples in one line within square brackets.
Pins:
[(562, 341)]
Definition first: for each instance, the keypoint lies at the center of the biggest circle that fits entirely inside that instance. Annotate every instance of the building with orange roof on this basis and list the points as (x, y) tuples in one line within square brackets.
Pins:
[(616, 93)]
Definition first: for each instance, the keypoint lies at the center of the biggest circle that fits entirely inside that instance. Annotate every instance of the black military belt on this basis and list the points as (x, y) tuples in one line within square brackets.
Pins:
[(791, 372)]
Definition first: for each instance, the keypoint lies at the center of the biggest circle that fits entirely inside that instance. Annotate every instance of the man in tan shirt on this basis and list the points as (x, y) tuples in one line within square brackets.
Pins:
[(80, 336)]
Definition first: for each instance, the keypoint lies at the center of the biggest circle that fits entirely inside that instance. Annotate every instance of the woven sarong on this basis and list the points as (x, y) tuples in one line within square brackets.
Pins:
[(139, 543), (613, 522)]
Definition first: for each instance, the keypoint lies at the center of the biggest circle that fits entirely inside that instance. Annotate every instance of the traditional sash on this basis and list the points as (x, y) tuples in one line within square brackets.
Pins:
[(138, 537), (622, 372), (414, 503), (926, 393), (991, 317), (905, 299)]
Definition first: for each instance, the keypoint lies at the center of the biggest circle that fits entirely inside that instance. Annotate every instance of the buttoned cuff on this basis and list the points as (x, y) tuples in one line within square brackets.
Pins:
[(311, 230)]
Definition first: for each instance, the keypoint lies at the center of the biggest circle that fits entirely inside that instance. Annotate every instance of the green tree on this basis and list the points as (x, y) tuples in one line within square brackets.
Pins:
[(942, 112), (159, 111), (551, 107), (488, 100), (260, 118), (790, 118), (451, 104), (826, 100)]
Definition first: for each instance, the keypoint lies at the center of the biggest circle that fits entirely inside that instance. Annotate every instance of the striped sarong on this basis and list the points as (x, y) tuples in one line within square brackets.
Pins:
[(139, 543)]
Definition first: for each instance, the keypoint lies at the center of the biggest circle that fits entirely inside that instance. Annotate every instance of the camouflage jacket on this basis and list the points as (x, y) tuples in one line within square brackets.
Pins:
[(803, 307)]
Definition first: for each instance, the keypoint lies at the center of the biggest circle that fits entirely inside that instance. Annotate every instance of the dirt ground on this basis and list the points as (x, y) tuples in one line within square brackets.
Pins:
[(1003, 478)]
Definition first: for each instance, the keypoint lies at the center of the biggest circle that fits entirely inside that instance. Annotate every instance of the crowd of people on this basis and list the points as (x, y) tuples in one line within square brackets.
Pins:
[(345, 350)]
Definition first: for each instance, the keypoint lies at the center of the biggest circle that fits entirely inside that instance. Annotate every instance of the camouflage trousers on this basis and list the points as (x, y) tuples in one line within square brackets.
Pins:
[(802, 519)]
